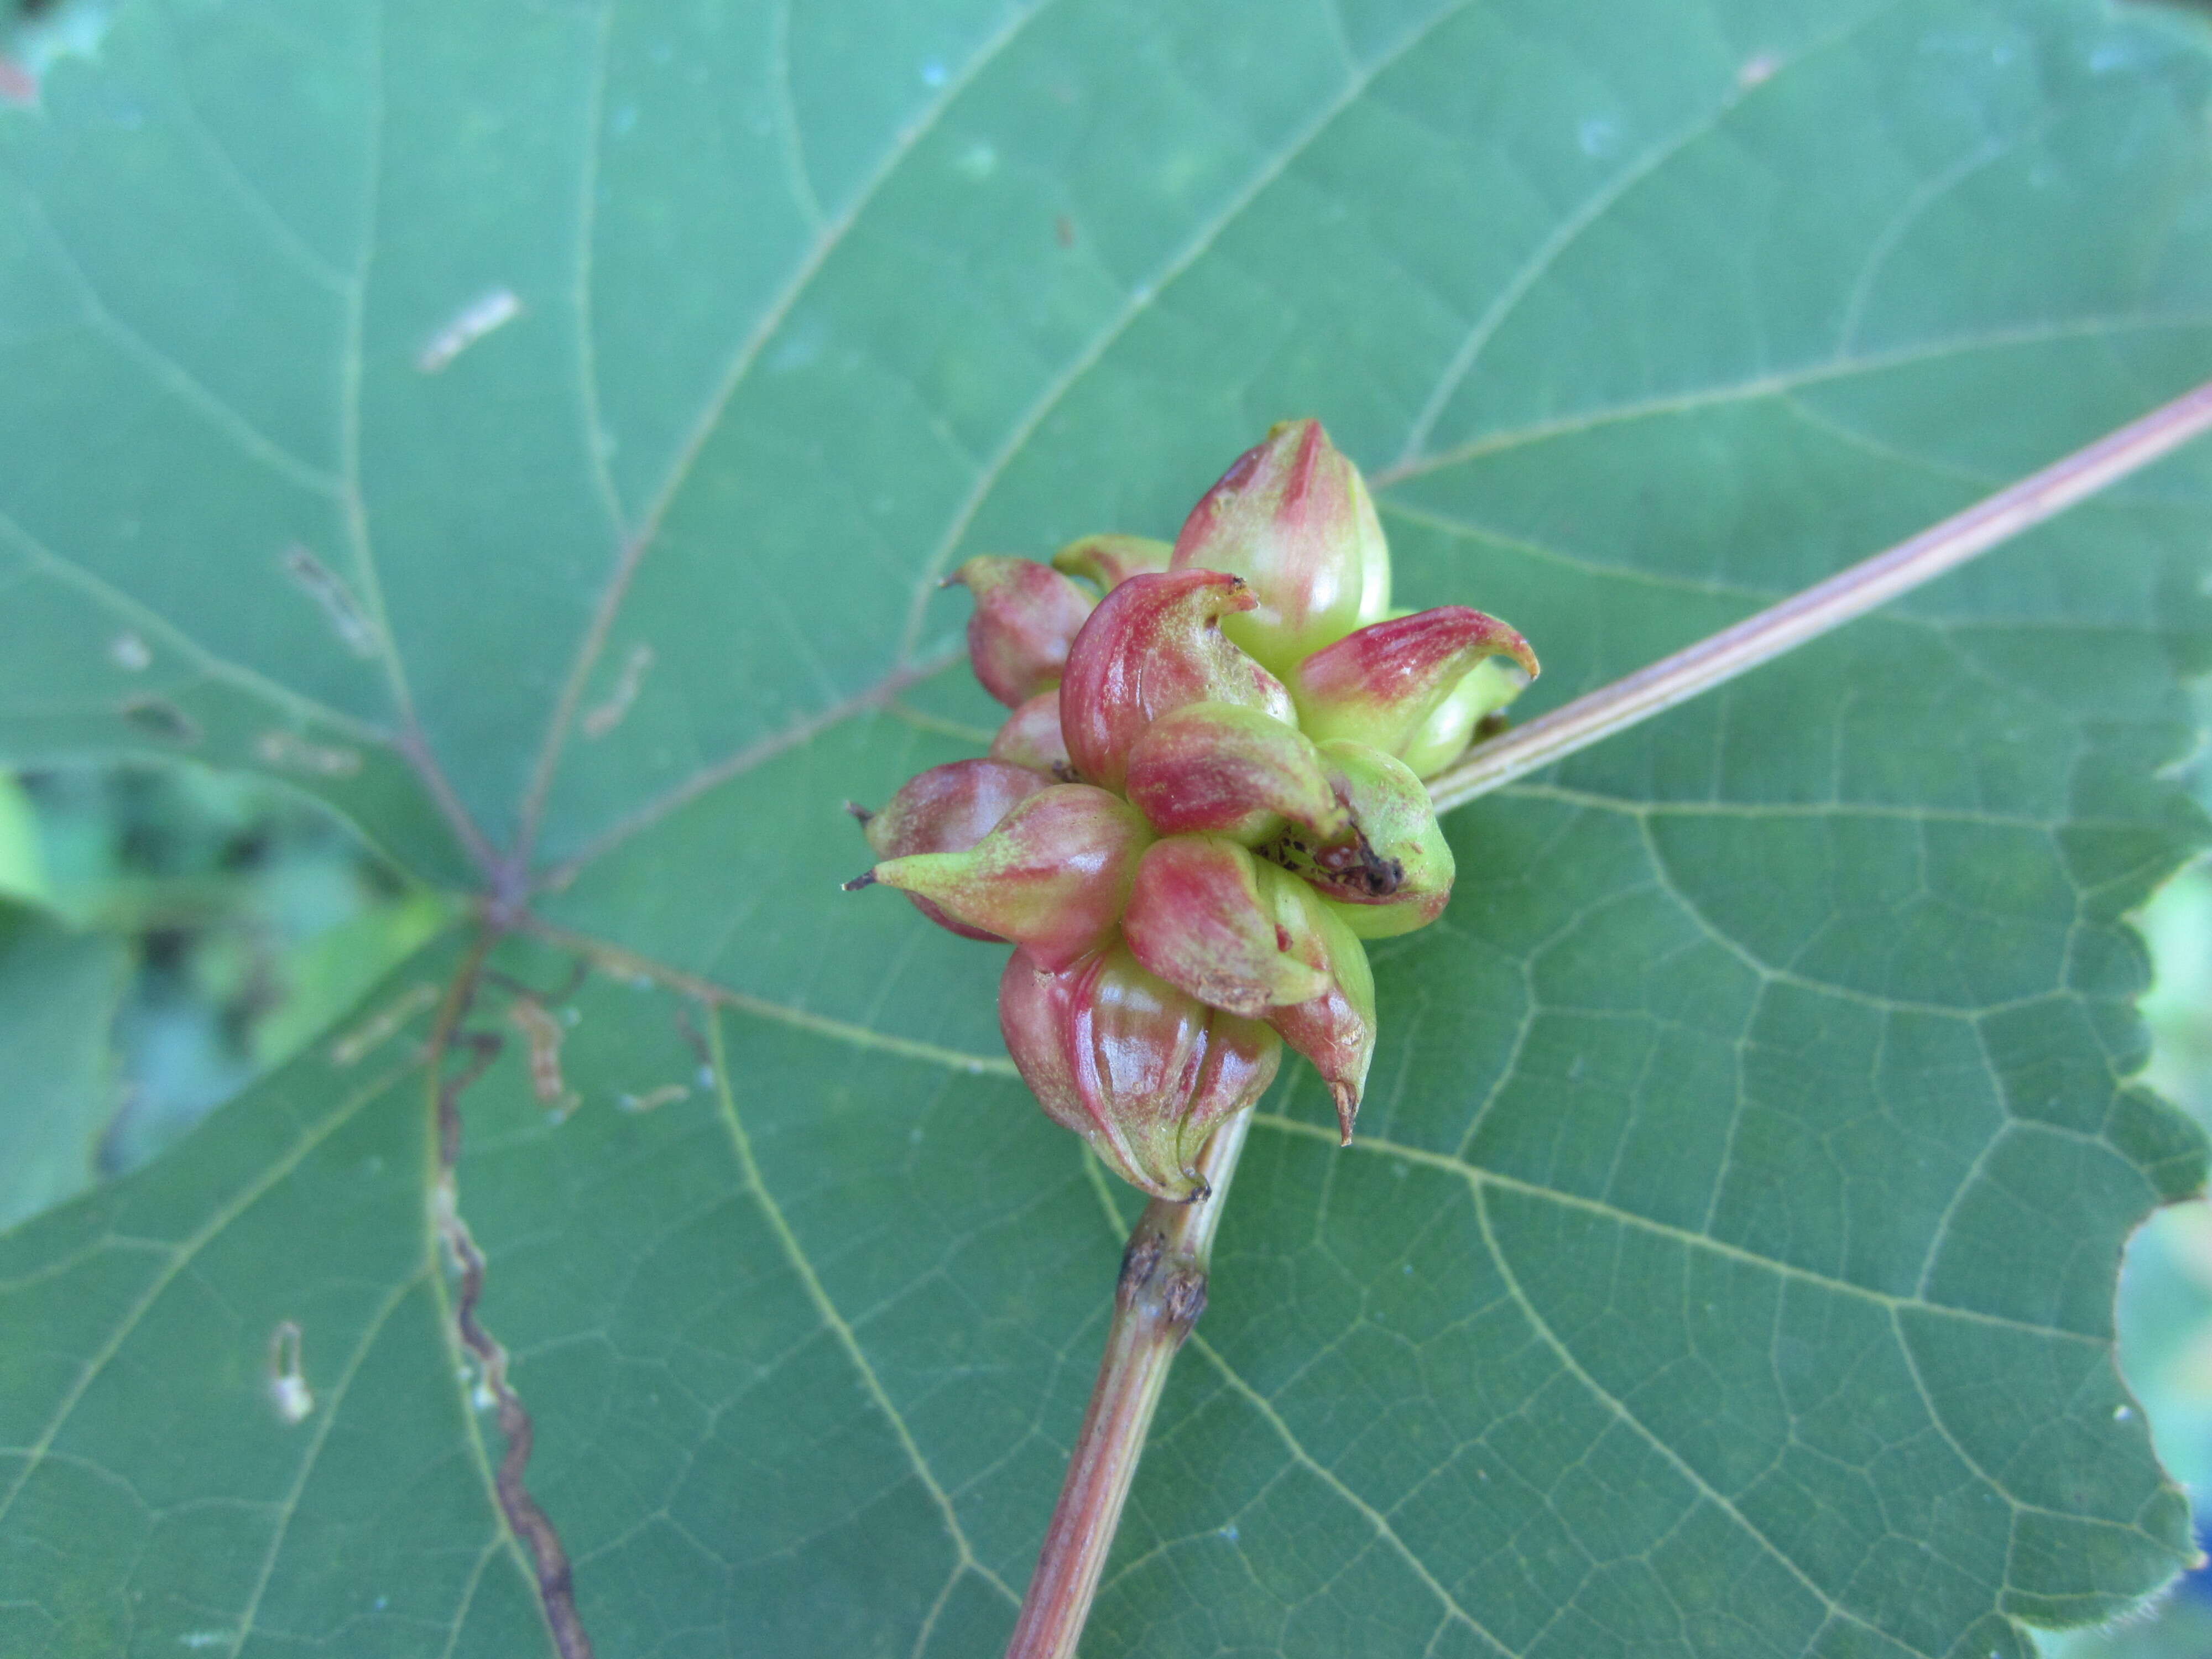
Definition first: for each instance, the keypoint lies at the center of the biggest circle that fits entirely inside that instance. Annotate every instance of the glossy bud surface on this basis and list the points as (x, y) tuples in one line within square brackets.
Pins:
[(1140, 1070), (1206, 796), (1293, 518), (1026, 616)]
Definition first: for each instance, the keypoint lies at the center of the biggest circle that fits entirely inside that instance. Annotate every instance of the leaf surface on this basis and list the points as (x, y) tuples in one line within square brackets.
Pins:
[(58, 992), (539, 432)]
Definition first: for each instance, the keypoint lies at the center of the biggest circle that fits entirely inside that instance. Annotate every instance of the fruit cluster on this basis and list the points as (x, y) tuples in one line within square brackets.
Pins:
[(1209, 793)]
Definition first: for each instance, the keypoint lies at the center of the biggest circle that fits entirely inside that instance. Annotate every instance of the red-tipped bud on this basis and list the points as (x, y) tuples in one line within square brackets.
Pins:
[(1032, 737), (1154, 645), (1488, 688), (1109, 560), (1026, 614), (1379, 686), (1214, 768), (1141, 1071), (1052, 876), (1394, 872), (948, 809), (1293, 517), (1197, 920), (1334, 1029)]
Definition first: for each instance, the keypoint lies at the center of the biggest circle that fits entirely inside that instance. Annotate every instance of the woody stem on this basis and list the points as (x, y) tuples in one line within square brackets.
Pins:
[(1160, 1295), (1807, 615)]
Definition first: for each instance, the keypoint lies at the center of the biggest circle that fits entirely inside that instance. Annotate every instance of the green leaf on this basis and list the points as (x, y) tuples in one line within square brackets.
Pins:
[(22, 862), (58, 992), (537, 428)]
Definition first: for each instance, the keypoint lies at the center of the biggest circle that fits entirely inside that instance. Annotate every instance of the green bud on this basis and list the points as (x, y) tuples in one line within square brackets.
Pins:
[(1293, 518), (1154, 645), (1109, 560), (1217, 768), (1336, 1028), (1143, 1071), (1026, 615), (1052, 876), (1031, 736), (1380, 686), (1393, 872), (1195, 917), (1488, 688)]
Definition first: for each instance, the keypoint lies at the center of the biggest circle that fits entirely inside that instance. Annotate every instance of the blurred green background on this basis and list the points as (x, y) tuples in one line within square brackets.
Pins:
[(166, 936)]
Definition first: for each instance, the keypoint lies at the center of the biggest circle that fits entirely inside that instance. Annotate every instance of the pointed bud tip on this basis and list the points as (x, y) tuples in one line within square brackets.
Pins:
[(1347, 1109), (863, 813), (866, 878)]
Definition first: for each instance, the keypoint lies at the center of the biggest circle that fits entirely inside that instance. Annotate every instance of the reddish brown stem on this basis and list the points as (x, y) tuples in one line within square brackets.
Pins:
[(1160, 1295), (1849, 594)]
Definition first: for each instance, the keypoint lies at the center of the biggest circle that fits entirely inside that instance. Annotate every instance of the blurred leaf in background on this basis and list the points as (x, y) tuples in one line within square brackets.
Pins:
[(2165, 1283), (167, 934)]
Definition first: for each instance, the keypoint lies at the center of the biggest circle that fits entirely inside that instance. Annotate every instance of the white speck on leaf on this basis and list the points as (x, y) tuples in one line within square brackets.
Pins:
[(287, 1382), (130, 653), (978, 161), (932, 72), (351, 1048), (1758, 68), (290, 752), (471, 324), (1599, 135)]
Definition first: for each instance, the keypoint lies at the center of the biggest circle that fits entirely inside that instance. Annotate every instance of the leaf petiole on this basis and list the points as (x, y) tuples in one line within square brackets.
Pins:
[(1847, 595), (1159, 1296)]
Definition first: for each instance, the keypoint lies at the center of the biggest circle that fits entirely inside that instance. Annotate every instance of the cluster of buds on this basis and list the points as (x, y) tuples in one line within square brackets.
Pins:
[(1207, 795)]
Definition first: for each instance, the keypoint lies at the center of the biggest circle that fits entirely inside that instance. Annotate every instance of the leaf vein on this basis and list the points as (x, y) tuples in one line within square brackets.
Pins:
[(1780, 381), (1571, 229), (289, 1506), (293, 704), (826, 1309), (172, 375), (1476, 1175), (182, 1254), (633, 551), (1620, 1410), (1141, 299)]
